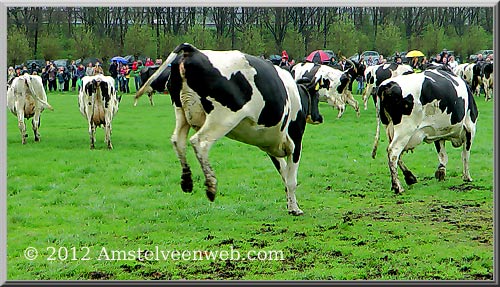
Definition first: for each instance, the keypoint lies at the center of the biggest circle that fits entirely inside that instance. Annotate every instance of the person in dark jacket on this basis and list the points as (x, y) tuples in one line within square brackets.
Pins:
[(113, 71)]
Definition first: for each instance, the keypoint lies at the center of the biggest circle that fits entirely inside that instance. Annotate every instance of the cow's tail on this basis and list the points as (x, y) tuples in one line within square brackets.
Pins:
[(34, 94), (377, 133), (186, 47)]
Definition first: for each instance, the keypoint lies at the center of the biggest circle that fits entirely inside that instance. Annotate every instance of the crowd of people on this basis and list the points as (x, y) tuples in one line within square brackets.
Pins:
[(64, 78)]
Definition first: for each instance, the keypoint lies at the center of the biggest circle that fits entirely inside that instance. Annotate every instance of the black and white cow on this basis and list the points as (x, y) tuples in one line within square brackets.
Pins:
[(26, 98), (374, 75), (332, 83), (487, 79), (156, 86), (432, 106), (98, 104), (229, 93)]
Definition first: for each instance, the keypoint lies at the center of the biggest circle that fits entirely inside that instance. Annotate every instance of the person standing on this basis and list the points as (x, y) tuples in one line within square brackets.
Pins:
[(52, 72), (60, 79), (452, 63), (80, 73), (113, 72), (72, 71), (11, 74), (90, 71), (149, 62), (98, 69)]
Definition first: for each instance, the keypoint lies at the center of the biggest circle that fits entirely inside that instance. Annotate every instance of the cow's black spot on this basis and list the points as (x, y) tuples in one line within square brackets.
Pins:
[(487, 70), (284, 122), (393, 103), (326, 84), (159, 83), (472, 105), (105, 93), (207, 81), (344, 80), (273, 91), (174, 83), (310, 74), (442, 89), (382, 74), (369, 78)]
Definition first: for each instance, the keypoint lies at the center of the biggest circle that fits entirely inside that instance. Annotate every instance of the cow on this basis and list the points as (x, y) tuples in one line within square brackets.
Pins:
[(374, 75), (243, 97), (459, 70), (432, 106), (487, 79), (332, 83), (156, 86), (98, 104), (26, 98)]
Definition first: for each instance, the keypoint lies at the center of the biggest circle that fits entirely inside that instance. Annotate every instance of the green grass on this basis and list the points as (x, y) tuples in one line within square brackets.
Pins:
[(62, 194)]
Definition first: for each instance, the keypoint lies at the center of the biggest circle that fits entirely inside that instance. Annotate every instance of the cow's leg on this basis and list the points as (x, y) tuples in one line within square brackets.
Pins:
[(440, 173), (179, 139), (150, 95), (348, 98), (108, 128), (92, 135), (409, 177), (469, 136), (288, 171), (394, 152), (35, 123), (212, 130), (20, 120), (366, 94)]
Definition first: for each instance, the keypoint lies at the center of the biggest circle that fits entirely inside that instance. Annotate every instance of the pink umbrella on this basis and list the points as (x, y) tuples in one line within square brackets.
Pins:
[(318, 56)]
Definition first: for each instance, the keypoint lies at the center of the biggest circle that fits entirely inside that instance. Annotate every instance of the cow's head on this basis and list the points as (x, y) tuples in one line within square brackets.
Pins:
[(308, 91)]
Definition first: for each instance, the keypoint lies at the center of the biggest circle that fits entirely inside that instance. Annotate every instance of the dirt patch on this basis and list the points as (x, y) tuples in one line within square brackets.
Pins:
[(99, 275), (466, 186)]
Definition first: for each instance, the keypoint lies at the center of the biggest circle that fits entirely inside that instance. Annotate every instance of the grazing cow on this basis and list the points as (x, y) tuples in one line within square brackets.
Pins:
[(228, 93), (432, 106), (487, 79), (156, 86), (374, 75), (26, 99), (332, 84), (98, 103)]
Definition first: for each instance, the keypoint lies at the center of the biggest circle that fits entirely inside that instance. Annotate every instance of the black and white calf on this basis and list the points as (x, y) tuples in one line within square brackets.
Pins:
[(26, 98), (432, 106), (98, 104), (228, 93), (156, 86), (332, 85), (374, 75)]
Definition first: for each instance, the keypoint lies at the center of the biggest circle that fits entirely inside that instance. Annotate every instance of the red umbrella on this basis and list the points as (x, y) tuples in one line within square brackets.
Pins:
[(318, 56)]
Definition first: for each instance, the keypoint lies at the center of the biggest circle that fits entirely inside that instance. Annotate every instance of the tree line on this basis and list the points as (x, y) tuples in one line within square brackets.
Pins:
[(79, 32)]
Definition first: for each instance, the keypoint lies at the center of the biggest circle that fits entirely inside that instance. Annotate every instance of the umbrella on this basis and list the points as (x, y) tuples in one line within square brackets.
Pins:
[(318, 56), (119, 59), (414, 53)]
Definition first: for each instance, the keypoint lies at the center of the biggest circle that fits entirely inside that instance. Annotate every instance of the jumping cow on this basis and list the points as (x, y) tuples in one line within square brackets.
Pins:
[(374, 75), (332, 85), (98, 103), (432, 106), (26, 99), (156, 86), (229, 93)]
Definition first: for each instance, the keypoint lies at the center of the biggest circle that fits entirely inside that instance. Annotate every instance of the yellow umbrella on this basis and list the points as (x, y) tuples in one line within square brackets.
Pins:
[(414, 53)]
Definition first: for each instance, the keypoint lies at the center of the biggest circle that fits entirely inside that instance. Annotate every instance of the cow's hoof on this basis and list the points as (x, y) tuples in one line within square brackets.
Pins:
[(211, 195), (397, 189), (110, 146), (440, 174), (297, 212), (92, 146), (409, 177), (186, 182), (467, 178)]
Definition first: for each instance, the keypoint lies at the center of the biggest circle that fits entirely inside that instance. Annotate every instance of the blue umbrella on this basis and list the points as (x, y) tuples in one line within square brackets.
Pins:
[(119, 59)]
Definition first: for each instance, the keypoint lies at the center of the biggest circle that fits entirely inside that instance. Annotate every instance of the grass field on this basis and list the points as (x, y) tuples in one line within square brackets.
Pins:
[(69, 203)]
